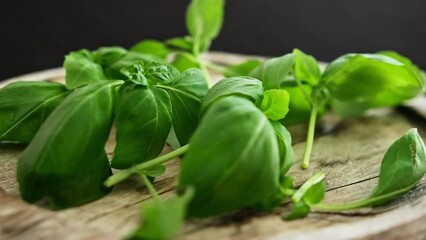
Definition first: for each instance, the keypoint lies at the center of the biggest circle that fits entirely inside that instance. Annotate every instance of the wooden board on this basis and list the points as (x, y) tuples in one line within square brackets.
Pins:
[(350, 156)]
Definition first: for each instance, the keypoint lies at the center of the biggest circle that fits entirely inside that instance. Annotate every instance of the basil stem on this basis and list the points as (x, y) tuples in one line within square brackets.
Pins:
[(124, 174)]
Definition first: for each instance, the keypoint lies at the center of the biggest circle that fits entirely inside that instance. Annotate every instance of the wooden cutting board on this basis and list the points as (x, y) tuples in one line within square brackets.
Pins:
[(349, 152)]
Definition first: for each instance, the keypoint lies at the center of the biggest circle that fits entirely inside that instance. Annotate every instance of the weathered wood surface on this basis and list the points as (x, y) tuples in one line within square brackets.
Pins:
[(350, 156)]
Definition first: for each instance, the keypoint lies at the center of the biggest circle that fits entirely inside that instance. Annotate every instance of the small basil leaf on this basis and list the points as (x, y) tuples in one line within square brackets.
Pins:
[(184, 43), (274, 71), (153, 47), (184, 61), (299, 210), (143, 122), (403, 165), (376, 80), (135, 73), (238, 171), (246, 87), (241, 69), (81, 69), (163, 220), (204, 19), (161, 73), (113, 71), (24, 106), (306, 68), (275, 103), (315, 193), (302, 194), (186, 94), (287, 186), (284, 144), (66, 161)]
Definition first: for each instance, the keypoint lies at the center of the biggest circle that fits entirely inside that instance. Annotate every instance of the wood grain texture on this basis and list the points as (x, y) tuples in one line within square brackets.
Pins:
[(349, 153)]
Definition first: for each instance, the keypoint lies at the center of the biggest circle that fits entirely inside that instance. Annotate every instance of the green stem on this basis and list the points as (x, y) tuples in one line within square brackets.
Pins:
[(205, 72), (341, 207), (310, 138), (150, 187), (124, 174)]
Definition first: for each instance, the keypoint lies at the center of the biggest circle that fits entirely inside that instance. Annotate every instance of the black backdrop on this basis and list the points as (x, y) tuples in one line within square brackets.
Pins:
[(36, 34)]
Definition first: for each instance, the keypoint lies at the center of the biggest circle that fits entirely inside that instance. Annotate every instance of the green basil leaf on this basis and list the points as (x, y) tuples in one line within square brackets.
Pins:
[(24, 106), (238, 171), (186, 94), (163, 220), (81, 69), (275, 103), (184, 61), (246, 87), (299, 106), (403, 165), (303, 191), (184, 43), (298, 210), (161, 73), (66, 161), (113, 71), (152, 47), (106, 56), (306, 68), (204, 19), (373, 79), (135, 73), (284, 144), (274, 71), (154, 171), (143, 122), (242, 69)]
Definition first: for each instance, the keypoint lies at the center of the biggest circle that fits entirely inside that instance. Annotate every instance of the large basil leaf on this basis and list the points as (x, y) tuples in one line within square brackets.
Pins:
[(274, 71), (371, 79), (246, 87), (106, 56), (184, 61), (240, 169), (25, 105), (186, 94), (204, 19), (143, 122), (66, 161), (81, 69)]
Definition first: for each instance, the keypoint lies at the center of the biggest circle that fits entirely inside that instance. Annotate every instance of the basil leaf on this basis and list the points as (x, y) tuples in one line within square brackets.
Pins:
[(163, 220), (152, 47), (105, 56), (66, 161), (81, 69), (161, 73), (298, 210), (204, 19), (284, 145), (306, 68), (24, 106), (241, 69), (135, 73), (186, 94), (403, 165), (184, 61), (238, 171), (143, 122), (275, 103), (184, 43), (246, 87), (274, 71), (299, 105), (113, 71), (154, 171), (372, 79)]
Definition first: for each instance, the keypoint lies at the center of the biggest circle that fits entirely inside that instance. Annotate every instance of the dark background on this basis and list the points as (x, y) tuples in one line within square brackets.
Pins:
[(36, 34)]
